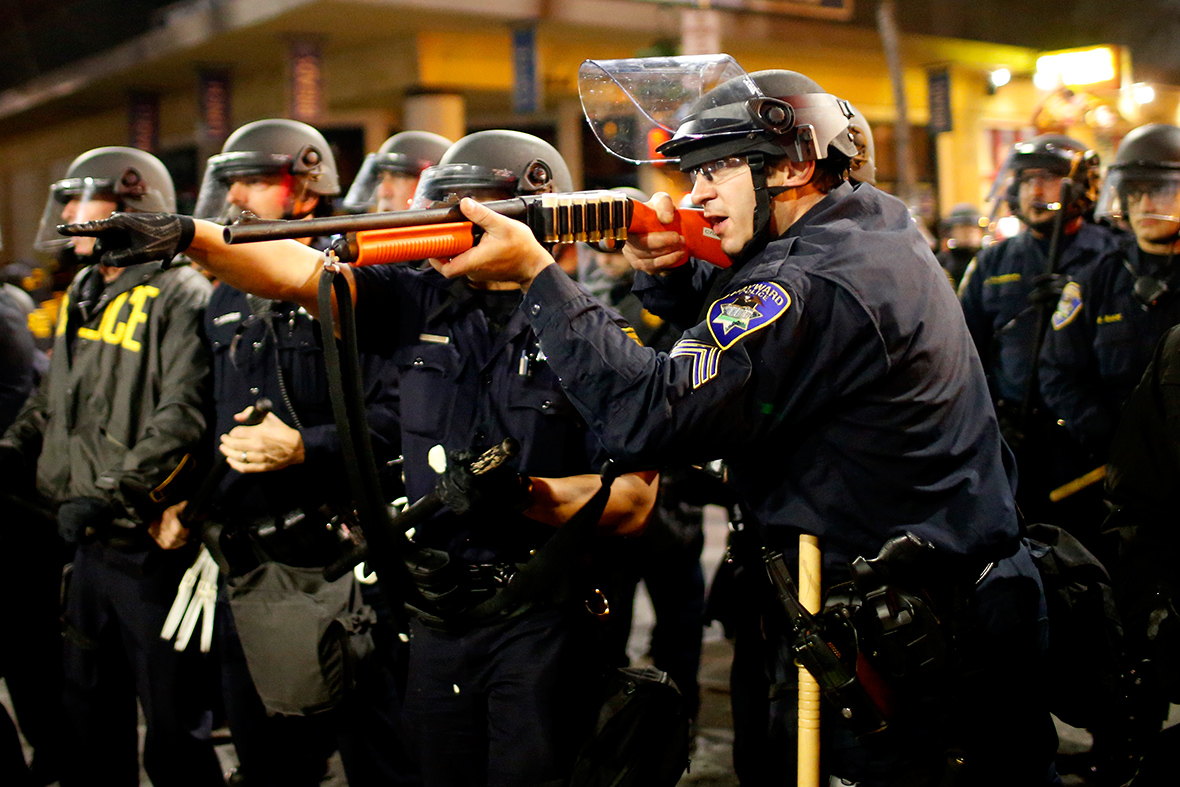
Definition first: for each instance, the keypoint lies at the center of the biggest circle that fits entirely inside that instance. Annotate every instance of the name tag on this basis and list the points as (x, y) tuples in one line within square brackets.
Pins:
[(230, 317), (434, 338)]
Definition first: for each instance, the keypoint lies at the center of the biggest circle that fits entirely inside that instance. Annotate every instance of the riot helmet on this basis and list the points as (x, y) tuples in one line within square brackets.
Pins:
[(275, 147), (1037, 165), (491, 165), (98, 183), (402, 157), (1143, 184), (708, 109), (863, 167)]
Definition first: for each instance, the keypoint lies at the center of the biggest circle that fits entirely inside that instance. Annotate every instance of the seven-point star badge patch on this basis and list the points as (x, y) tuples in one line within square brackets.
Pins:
[(750, 309)]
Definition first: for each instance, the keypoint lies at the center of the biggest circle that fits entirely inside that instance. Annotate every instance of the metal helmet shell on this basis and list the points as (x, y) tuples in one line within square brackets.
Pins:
[(792, 117), (133, 179), (268, 147), (863, 167), (1148, 160), (406, 153), (494, 164)]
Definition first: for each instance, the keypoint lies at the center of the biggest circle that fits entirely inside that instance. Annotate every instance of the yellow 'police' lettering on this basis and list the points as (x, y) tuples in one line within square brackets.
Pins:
[(1003, 278), (1104, 319), (110, 328), (139, 298), (113, 331)]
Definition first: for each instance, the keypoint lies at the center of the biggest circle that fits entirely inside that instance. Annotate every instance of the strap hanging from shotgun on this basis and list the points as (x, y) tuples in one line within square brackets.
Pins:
[(810, 596)]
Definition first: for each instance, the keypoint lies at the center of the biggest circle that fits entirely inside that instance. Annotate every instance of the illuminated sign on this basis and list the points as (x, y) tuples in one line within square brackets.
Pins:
[(1091, 66)]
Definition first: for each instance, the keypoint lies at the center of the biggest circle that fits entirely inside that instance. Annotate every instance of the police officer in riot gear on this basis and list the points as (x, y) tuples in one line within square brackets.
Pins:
[(388, 178), (112, 434), (286, 469), (1109, 318), (1007, 293), (962, 235), (829, 367)]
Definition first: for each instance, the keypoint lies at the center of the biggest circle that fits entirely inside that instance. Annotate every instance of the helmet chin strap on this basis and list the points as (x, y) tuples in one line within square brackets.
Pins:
[(763, 194)]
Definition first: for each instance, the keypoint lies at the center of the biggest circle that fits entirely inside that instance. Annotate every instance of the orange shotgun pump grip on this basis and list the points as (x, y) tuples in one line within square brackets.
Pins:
[(403, 244), (702, 242)]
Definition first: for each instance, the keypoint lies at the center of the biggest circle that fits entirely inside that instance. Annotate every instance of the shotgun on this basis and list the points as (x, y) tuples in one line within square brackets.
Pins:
[(587, 216)]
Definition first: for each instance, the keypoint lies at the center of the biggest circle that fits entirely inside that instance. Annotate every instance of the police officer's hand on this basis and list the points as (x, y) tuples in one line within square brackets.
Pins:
[(656, 252), (506, 252), (499, 489), (167, 531), (132, 238), (271, 445)]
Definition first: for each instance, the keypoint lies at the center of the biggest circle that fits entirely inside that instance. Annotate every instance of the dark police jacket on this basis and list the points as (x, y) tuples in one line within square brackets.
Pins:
[(462, 387), (249, 350), (17, 370), (126, 406), (834, 375), (1100, 343), (994, 295)]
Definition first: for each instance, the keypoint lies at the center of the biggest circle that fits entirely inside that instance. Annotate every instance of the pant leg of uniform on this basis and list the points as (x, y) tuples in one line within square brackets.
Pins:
[(170, 685), (99, 690), (272, 750), (446, 713), (373, 735), (540, 679)]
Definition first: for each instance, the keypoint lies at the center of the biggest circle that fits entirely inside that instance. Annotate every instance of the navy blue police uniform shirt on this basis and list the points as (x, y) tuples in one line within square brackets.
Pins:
[(994, 295), (464, 385), (835, 376), (248, 351), (1101, 341)]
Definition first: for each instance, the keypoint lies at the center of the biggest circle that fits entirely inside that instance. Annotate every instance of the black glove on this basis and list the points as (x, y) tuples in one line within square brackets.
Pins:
[(132, 238), (500, 488), (81, 519), (1047, 289), (13, 469)]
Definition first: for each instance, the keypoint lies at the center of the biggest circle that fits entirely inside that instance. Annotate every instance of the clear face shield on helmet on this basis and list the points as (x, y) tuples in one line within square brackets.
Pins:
[(381, 177), (223, 170), (1139, 196), (443, 186), (636, 104), (72, 201)]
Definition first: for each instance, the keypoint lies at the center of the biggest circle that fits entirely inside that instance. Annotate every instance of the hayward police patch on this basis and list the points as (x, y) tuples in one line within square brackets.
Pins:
[(750, 309), (1068, 307)]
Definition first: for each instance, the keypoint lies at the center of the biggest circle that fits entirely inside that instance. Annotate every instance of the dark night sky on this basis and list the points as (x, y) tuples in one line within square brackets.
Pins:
[(37, 36)]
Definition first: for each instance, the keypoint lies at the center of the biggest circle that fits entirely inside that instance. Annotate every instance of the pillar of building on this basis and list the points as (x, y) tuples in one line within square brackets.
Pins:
[(440, 113)]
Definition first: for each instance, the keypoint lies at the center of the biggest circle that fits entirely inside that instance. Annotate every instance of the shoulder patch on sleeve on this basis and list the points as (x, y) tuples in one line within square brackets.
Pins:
[(704, 359), (1068, 307), (746, 311)]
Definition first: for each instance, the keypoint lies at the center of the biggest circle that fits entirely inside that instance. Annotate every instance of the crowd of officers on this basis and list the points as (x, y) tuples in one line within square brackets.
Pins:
[(185, 410)]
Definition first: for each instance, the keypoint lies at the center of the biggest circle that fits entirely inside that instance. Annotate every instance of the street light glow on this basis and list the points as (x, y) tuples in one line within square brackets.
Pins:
[(1143, 93), (1000, 77)]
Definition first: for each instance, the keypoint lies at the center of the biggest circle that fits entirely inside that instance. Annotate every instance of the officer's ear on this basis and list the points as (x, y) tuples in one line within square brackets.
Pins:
[(785, 173)]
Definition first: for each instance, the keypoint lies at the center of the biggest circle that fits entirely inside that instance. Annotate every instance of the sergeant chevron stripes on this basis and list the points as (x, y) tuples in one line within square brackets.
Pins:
[(704, 359)]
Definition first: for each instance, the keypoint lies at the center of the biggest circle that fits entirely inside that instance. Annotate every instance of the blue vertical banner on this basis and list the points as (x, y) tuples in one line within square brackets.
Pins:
[(143, 120), (525, 88)]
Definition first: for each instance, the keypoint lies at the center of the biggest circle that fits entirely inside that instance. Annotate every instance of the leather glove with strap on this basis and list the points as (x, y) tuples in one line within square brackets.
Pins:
[(127, 239)]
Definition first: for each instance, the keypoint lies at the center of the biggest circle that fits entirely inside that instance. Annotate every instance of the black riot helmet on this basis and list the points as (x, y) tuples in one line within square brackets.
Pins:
[(1147, 163), (132, 179), (489, 165), (275, 146), (405, 154), (1056, 154), (708, 108)]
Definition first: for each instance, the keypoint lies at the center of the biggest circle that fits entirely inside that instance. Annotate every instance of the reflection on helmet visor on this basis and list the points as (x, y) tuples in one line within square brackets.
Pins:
[(635, 104), (446, 185)]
